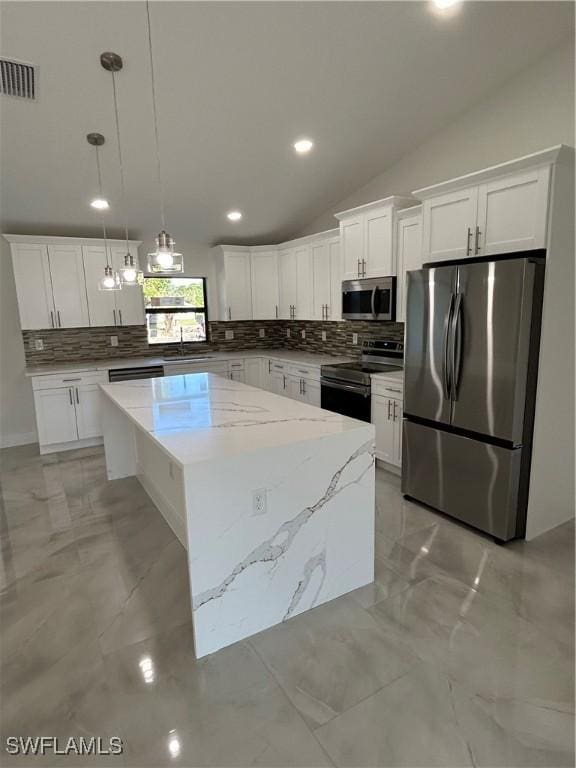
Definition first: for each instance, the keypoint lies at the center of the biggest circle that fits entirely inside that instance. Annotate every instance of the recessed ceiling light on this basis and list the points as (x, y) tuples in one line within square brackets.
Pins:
[(100, 204), (234, 215), (443, 5), (302, 146)]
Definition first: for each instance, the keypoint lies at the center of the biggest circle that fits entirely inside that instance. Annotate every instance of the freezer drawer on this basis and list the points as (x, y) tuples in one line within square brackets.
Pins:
[(470, 480)]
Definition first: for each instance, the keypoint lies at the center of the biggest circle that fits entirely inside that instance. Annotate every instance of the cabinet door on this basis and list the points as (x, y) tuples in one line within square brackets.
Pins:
[(448, 225), (383, 420), (397, 417), (378, 249), (238, 288), (408, 256), (101, 304), (352, 244), (55, 415), (253, 371), (87, 401), (279, 383), (264, 271), (512, 213), (129, 300), (304, 283), (321, 279), (287, 282), (68, 285), (33, 288), (311, 392), (236, 371), (294, 388), (266, 374), (335, 305)]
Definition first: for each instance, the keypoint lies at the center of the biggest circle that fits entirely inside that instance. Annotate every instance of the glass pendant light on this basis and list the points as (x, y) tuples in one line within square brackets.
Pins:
[(164, 259), (129, 274), (109, 281)]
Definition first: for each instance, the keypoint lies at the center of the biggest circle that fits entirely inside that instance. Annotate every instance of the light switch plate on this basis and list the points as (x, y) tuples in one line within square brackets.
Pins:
[(113, 341), (259, 501), (262, 333), (323, 335), (303, 333), (354, 338), (38, 345), (228, 335), (287, 333)]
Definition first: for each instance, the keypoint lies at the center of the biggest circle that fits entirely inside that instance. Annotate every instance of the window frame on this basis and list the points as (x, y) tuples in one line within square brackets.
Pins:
[(178, 310)]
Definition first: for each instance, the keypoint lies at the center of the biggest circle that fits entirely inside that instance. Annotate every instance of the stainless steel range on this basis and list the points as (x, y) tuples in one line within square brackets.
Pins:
[(345, 387)]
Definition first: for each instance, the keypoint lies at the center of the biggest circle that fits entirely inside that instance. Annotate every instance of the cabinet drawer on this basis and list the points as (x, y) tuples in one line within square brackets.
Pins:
[(388, 389), (279, 366), (76, 379), (312, 373), (236, 365)]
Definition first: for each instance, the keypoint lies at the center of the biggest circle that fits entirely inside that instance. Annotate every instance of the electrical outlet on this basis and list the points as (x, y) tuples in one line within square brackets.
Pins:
[(323, 335), (262, 333), (287, 333), (38, 345), (228, 335), (303, 333), (113, 341), (259, 501), (354, 338)]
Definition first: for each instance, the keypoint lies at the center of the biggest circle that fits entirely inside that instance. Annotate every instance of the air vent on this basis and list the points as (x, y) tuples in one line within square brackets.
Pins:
[(17, 79)]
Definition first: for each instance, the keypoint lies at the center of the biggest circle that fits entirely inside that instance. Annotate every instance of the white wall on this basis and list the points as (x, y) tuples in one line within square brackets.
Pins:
[(17, 422), (532, 111)]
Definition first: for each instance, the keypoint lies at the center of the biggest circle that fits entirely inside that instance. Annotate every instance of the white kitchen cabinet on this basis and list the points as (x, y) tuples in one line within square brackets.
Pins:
[(264, 277), (367, 238), (512, 213), (408, 253), (253, 371), (68, 285), (130, 299), (321, 267), (387, 419), (87, 407), (33, 288), (335, 306), (304, 283), (233, 280), (449, 223), (236, 371), (287, 281), (266, 381), (55, 416)]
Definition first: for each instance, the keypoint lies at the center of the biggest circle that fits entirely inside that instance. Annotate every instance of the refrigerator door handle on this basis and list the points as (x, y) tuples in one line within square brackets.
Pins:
[(456, 346), (445, 361)]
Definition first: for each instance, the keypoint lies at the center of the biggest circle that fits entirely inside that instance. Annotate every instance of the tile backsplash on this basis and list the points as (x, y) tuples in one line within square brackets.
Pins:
[(87, 344)]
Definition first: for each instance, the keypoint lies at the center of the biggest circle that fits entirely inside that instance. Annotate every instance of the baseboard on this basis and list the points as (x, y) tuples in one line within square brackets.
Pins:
[(13, 439), (89, 442), (392, 468)]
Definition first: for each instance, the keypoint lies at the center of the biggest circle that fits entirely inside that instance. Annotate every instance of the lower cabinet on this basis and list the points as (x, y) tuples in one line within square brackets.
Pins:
[(387, 418), (236, 371), (253, 371), (305, 390), (67, 410)]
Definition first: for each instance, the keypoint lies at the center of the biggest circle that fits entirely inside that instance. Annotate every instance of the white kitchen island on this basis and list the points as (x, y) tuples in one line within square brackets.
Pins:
[(272, 498)]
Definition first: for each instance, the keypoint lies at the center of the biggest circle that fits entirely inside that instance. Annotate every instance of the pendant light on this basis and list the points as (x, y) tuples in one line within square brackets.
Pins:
[(109, 280), (164, 259), (129, 273)]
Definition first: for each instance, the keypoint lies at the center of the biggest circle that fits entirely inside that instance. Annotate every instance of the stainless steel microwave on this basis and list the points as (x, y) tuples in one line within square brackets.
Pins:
[(372, 298)]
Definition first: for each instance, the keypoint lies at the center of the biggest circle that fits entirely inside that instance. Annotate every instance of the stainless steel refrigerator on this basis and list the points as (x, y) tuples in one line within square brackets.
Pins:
[(470, 370)]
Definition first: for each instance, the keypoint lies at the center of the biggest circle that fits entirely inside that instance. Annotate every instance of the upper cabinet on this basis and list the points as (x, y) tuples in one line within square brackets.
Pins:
[(233, 277), (408, 252), (497, 210), (304, 283), (367, 238), (57, 283), (327, 279), (264, 277), (287, 283)]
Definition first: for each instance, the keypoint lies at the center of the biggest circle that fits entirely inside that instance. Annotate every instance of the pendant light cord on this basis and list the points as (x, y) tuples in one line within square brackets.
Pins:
[(101, 196), (158, 164), (120, 161)]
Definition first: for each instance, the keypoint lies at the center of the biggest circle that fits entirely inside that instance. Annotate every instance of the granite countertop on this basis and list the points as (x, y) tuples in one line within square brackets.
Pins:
[(288, 355), (201, 416)]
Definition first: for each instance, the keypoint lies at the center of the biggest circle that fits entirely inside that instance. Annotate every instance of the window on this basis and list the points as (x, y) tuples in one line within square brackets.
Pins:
[(175, 309)]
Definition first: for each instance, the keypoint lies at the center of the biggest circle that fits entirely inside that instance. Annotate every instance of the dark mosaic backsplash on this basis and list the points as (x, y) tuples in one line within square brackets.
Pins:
[(87, 344)]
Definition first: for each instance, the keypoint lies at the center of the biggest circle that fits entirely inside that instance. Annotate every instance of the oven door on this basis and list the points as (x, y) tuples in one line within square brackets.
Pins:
[(372, 299), (348, 399)]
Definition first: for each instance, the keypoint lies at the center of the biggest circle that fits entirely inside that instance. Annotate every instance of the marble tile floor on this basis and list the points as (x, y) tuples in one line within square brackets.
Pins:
[(461, 653)]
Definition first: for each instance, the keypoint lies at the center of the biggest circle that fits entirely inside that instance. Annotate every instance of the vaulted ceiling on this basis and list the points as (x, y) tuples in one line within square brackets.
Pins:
[(237, 84)]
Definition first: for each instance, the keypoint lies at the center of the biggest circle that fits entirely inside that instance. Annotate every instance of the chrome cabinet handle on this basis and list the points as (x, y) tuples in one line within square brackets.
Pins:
[(120, 316), (303, 386), (52, 318), (70, 395), (77, 395), (477, 242), (363, 267), (468, 246), (394, 409), (67, 380), (327, 311), (114, 313), (359, 275), (284, 381), (389, 403), (276, 311), (229, 313), (59, 320), (269, 366)]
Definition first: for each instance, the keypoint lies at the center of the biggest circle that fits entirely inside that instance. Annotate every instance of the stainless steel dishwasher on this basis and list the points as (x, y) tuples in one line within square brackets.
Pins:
[(137, 372)]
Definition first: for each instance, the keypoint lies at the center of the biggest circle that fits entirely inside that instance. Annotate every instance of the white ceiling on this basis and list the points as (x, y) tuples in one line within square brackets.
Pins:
[(237, 83)]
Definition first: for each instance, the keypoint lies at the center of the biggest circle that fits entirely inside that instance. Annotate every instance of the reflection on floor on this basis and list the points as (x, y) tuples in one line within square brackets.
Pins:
[(460, 654)]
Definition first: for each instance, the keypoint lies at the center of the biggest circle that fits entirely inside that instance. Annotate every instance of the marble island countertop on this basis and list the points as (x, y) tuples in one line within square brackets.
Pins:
[(287, 355), (201, 416)]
